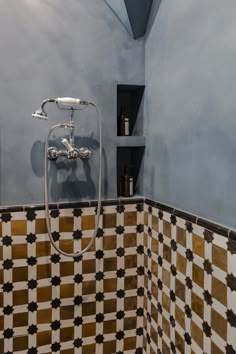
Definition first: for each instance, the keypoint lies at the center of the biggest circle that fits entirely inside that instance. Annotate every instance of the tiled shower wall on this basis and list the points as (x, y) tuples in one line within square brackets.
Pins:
[(190, 285), (155, 281), (51, 303)]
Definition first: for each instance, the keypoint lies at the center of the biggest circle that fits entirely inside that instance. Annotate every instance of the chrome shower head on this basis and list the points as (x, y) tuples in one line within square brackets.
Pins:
[(40, 114), (60, 102)]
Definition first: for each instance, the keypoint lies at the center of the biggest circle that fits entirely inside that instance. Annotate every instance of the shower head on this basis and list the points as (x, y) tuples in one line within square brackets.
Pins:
[(40, 114), (60, 102)]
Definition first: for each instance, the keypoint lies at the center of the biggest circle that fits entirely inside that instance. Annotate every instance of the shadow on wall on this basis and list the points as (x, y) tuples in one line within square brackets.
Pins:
[(64, 182)]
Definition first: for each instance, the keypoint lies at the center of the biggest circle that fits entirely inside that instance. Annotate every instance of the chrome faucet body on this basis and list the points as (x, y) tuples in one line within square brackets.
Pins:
[(72, 153), (72, 128)]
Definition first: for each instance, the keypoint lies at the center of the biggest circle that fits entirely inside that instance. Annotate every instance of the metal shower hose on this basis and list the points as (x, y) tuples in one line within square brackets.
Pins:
[(48, 224)]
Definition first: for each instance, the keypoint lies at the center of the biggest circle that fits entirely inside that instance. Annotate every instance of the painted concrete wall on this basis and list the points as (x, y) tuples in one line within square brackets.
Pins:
[(190, 108), (53, 48)]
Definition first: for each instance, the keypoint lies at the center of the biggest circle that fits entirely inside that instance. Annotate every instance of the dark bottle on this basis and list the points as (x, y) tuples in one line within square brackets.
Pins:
[(126, 184)]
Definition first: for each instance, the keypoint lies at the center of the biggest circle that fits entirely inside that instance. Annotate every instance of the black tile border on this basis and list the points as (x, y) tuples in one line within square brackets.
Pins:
[(123, 201), (94, 203), (221, 230), (161, 206), (70, 205), (216, 228), (38, 207), (11, 209), (73, 205), (232, 235), (186, 216)]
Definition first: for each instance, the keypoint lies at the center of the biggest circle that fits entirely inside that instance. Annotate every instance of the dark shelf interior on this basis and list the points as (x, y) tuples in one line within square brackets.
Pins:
[(129, 98), (130, 157), (133, 14), (138, 14)]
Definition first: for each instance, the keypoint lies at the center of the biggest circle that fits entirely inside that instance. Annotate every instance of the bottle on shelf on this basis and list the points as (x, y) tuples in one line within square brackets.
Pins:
[(124, 123), (127, 184)]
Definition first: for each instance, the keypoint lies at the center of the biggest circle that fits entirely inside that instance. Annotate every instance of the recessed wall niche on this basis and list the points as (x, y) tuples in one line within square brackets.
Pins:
[(130, 148)]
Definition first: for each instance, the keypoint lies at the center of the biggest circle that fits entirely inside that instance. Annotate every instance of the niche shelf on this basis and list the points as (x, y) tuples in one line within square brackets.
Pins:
[(130, 141), (129, 98), (130, 149), (132, 158)]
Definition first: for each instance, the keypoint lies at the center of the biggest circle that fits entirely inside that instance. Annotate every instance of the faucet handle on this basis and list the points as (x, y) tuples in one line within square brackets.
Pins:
[(84, 153), (53, 153), (66, 143)]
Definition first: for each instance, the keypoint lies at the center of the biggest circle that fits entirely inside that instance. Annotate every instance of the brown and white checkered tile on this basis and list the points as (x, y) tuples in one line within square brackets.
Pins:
[(196, 287), (144, 261), (231, 294), (88, 305)]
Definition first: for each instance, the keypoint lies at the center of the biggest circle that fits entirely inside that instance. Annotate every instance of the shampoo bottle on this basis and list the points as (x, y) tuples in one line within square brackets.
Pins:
[(124, 123), (127, 184)]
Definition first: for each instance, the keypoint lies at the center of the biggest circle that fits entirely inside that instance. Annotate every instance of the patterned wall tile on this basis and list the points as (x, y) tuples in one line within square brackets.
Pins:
[(193, 310), (50, 303), (153, 282)]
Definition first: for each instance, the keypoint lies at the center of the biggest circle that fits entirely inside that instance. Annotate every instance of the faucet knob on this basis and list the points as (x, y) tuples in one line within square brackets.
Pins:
[(53, 153), (74, 154), (84, 153)]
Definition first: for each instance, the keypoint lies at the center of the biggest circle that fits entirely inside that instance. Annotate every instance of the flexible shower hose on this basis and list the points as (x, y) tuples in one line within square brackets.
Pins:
[(48, 224)]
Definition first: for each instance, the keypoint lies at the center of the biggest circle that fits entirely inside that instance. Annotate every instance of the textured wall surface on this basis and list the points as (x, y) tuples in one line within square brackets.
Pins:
[(51, 49), (190, 108)]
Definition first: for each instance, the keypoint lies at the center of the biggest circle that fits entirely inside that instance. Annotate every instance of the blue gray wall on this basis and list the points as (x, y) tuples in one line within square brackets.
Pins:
[(79, 48), (190, 108), (54, 48)]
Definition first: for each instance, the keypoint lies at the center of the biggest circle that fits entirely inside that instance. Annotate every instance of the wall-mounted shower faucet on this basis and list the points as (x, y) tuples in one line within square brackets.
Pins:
[(70, 104), (71, 153)]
